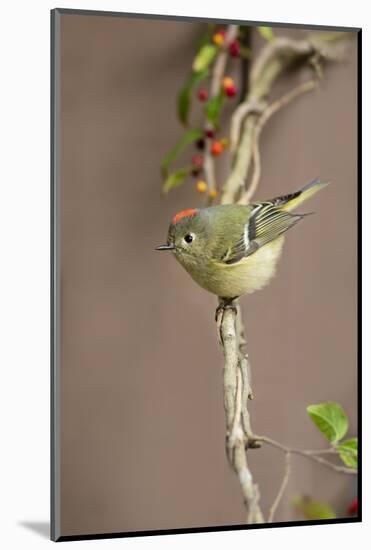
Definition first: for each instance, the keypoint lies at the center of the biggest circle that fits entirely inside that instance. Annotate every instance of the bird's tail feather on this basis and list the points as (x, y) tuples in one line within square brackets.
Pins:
[(289, 202)]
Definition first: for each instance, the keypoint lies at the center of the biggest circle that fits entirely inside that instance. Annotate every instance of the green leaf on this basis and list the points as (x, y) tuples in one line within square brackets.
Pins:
[(348, 452), (330, 419), (213, 108), (185, 94), (176, 178), (313, 509), (204, 57), (266, 33), (190, 136)]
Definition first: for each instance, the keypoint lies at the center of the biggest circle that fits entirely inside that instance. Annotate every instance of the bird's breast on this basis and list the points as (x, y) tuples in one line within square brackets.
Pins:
[(248, 275)]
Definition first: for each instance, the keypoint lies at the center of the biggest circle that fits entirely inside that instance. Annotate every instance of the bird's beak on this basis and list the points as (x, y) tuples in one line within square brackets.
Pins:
[(165, 247)]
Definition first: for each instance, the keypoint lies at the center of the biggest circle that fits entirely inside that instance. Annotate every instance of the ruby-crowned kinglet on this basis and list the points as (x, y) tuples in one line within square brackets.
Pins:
[(231, 250)]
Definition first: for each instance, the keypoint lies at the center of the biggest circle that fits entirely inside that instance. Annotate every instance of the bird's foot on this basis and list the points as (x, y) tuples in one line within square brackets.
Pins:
[(224, 304)]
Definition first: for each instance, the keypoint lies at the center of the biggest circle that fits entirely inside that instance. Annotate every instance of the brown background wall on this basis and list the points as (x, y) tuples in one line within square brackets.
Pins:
[(142, 413)]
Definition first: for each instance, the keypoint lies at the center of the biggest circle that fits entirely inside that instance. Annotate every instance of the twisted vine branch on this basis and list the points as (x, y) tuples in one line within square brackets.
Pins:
[(237, 388), (274, 59), (246, 125), (266, 115)]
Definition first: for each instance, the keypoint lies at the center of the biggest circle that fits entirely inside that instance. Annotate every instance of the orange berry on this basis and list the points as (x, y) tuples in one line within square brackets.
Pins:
[(218, 38), (201, 186), (216, 148), (227, 82), (213, 193)]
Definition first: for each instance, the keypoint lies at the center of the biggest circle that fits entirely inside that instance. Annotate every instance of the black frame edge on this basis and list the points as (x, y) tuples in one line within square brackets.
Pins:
[(359, 269), (225, 528), (54, 286)]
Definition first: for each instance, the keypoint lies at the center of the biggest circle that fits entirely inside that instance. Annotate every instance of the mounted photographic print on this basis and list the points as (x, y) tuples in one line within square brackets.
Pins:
[(205, 195)]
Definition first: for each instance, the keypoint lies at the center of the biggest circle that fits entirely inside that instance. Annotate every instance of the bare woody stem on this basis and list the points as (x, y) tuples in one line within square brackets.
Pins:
[(313, 455), (236, 389), (218, 72), (266, 115), (247, 123), (282, 488), (274, 59)]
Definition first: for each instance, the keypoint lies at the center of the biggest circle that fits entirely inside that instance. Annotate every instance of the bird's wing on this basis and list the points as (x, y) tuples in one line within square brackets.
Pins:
[(266, 222)]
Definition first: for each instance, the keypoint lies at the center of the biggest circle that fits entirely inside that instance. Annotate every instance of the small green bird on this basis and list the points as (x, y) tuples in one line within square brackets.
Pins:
[(231, 250)]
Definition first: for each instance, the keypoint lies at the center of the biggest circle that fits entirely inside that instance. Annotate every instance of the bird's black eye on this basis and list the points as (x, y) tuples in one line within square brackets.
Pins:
[(188, 238)]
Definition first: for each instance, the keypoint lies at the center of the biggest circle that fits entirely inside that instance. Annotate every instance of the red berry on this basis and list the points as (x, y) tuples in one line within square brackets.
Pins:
[(202, 94), (353, 508), (216, 148), (230, 90), (209, 133), (235, 48), (197, 160)]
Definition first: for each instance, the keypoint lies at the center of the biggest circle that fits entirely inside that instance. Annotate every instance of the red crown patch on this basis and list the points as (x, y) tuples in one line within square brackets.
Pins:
[(184, 214)]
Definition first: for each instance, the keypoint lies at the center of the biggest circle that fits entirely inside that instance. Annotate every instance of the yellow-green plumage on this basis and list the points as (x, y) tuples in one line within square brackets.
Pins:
[(234, 249), (246, 276)]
